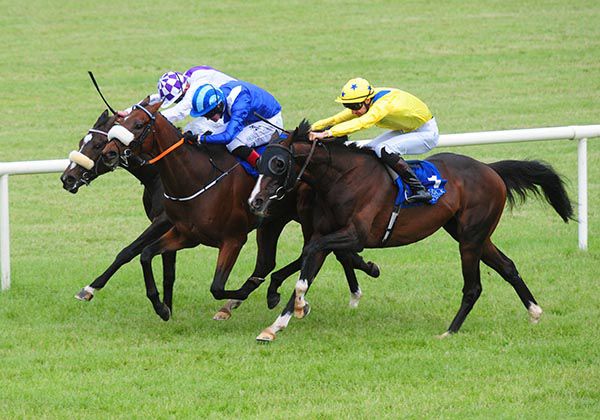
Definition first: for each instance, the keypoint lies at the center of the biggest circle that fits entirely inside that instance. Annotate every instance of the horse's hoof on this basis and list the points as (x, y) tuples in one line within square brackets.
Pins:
[(273, 300), (444, 335), (373, 270), (266, 336), (535, 313), (164, 313), (302, 312), (222, 315), (86, 294)]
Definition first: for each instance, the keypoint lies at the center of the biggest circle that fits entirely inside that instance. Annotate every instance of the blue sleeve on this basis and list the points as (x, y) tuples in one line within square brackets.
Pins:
[(240, 110)]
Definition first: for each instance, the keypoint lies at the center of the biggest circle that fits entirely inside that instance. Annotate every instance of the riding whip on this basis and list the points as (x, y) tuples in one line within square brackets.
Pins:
[(257, 115), (101, 95)]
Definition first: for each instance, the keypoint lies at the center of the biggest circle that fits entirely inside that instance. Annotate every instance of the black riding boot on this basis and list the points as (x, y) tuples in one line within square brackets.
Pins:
[(394, 161)]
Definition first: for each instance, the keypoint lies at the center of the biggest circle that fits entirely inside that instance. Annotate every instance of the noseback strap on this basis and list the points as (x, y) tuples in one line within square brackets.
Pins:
[(81, 160), (120, 133)]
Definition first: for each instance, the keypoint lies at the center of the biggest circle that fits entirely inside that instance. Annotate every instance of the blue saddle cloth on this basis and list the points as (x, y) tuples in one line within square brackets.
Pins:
[(252, 171), (429, 176)]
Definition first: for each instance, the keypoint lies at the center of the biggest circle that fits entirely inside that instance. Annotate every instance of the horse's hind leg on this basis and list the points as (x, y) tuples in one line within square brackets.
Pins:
[(345, 259), (470, 254), (504, 266)]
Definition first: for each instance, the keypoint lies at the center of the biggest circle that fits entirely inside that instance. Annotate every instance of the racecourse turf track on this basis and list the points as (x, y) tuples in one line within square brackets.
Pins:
[(479, 65)]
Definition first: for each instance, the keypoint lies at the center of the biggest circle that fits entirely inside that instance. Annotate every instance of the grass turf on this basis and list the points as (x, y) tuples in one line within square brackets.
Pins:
[(479, 65)]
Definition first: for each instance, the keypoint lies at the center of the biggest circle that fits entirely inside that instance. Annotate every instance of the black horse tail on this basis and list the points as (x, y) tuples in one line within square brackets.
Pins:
[(523, 176)]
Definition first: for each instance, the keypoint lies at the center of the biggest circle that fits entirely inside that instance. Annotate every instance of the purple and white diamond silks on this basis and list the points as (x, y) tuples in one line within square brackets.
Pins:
[(170, 87)]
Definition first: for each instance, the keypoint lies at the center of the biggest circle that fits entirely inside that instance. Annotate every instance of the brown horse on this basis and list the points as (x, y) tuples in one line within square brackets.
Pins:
[(207, 205), (356, 198)]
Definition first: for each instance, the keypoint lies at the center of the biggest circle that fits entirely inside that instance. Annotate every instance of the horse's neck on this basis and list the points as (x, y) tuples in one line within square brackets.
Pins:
[(148, 175), (335, 162), (186, 168)]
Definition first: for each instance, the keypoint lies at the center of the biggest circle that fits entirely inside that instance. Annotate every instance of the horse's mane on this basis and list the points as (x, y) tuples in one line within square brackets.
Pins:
[(301, 134)]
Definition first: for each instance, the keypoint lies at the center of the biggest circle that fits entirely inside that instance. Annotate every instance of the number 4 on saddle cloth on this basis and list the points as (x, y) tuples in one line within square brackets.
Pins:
[(429, 176), (431, 179)]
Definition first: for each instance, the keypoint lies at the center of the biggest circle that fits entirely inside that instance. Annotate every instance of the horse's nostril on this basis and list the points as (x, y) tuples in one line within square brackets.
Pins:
[(257, 203), (68, 180)]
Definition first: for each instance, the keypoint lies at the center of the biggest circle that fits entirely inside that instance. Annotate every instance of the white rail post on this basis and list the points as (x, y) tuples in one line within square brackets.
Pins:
[(4, 233), (582, 193)]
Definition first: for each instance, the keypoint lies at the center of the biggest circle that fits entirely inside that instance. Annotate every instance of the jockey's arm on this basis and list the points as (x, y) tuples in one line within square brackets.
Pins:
[(342, 116), (240, 110), (370, 118)]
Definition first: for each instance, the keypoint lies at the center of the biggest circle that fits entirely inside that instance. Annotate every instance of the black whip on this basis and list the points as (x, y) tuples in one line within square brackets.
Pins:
[(101, 95), (257, 115)]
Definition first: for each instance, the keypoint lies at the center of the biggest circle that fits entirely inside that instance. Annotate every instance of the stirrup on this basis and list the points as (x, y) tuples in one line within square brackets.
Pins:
[(422, 196)]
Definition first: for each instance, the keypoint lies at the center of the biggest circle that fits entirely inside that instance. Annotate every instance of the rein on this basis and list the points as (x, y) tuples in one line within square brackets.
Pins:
[(166, 152), (205, 188), (310, 154)]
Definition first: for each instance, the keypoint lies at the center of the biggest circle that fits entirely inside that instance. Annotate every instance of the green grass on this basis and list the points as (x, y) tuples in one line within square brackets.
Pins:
[(483, 65)]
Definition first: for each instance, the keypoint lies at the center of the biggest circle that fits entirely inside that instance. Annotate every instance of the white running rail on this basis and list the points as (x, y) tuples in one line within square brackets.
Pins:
[(576, 132)]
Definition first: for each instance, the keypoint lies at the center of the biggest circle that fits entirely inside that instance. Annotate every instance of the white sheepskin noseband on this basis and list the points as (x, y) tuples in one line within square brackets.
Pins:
[(81, 159), (120, 133)]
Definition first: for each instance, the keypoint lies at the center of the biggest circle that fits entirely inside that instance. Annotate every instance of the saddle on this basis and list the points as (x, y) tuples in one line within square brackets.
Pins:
[(429, 176), (431, 179)]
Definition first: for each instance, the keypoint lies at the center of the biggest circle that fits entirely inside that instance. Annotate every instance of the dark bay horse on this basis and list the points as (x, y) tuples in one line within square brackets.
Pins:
[(86, 165), (356, 197), (207, 204)]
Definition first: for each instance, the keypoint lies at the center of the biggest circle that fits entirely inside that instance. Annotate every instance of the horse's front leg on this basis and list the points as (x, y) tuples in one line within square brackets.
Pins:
[(168, 260), (151, 234), (343, 240), (228, 254), (282, 321), (266, 240), (168, 243)]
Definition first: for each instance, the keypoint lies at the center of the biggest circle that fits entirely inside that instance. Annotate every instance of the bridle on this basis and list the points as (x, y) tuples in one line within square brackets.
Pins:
[(276, 166)]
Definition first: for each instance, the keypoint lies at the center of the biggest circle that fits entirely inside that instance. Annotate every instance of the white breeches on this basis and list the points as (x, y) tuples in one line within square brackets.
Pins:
[(422, 140), (256, 134)]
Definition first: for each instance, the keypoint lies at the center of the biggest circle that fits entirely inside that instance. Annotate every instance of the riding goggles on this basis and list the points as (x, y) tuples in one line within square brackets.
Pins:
[(354, 106)]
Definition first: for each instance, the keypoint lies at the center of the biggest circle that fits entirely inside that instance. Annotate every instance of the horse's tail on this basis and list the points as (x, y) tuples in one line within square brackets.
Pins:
[(523, 176)]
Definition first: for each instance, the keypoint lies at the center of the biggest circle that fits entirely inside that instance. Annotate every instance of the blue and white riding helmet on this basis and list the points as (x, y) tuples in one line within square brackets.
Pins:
[(171, 86), (205, 99)]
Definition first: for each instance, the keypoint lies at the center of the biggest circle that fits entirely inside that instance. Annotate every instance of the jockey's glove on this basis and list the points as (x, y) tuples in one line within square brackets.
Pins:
[(190, 137)]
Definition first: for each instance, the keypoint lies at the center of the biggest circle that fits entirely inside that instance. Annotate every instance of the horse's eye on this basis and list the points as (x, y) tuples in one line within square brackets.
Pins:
[(138, 125), (98, 146)]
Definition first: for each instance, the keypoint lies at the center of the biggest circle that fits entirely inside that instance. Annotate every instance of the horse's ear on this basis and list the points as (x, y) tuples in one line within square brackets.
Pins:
[(102, 119), (290, 138), (154, 107), (144, 102)]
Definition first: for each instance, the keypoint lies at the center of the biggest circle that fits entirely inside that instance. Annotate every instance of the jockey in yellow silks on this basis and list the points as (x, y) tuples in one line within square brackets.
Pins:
[(413, 128)]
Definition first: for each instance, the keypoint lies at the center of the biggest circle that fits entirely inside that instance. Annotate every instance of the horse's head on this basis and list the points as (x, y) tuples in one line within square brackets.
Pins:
[(127, 140), (86, 163), (279, 171)]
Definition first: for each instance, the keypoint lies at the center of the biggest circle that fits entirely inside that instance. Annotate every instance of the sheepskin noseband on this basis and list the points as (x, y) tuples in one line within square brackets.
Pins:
[(81, 160), (120, 133)]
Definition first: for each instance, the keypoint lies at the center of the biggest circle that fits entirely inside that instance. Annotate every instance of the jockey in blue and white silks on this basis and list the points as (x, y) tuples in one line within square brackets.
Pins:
[(237, 102), (176, 90)]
